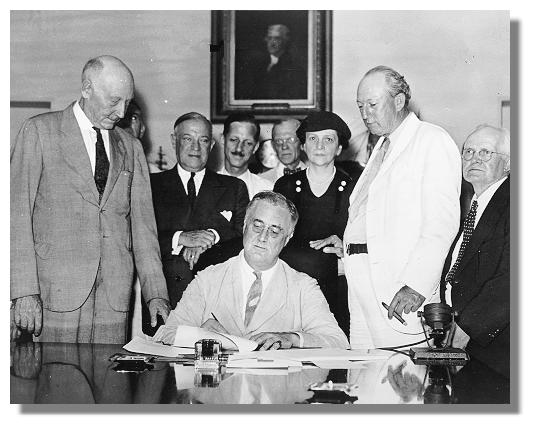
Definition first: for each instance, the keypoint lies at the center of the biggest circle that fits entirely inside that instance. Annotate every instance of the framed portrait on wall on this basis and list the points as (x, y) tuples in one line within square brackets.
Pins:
[(271, 63)]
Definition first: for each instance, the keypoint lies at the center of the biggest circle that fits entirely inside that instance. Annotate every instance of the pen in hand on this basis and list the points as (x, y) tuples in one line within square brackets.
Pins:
[(396, 315)]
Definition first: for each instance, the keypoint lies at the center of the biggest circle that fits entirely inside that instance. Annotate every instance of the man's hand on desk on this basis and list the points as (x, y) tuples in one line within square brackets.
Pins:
[(191, 255), (214, 326), (276, 340), (27, 315), (405, 300), (202, 238), (158, 306)]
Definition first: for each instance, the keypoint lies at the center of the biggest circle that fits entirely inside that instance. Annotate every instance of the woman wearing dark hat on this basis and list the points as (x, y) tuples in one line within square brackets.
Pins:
[(321, 194)]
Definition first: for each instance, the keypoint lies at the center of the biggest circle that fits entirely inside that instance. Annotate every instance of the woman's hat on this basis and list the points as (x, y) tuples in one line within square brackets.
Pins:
[(324, 120)]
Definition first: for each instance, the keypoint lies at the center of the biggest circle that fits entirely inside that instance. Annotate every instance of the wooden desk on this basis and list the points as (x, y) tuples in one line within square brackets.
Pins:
[(54, 373)]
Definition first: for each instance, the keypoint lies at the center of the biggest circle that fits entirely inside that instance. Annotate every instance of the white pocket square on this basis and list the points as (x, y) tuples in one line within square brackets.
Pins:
[(227, 215)]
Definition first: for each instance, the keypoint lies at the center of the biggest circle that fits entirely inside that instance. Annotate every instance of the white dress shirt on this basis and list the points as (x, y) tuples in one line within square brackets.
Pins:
[(90, 135), (482, 202), (254, 183), (184, 178)]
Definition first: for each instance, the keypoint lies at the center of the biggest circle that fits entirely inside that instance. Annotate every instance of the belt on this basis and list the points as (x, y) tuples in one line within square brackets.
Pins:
[(353, 249)]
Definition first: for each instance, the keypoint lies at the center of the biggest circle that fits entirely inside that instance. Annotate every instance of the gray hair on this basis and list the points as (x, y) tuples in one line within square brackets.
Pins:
[(504, 142), (193, 116), (275, 199), (395, 81)]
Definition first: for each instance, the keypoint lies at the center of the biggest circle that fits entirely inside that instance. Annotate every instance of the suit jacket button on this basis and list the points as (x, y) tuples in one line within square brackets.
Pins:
[(456, 282), (178, 278)]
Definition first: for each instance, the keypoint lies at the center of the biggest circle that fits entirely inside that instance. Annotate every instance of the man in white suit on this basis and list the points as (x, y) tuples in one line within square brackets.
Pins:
[(257, 295), (403, 217)]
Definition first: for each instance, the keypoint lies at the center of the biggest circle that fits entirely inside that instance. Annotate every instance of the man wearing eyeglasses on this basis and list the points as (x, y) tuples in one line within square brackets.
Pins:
[(475, 279), (288, 148), (257, 295)]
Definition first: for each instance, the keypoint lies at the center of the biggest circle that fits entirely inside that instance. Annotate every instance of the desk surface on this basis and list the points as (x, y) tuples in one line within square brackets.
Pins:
[(54, 373)]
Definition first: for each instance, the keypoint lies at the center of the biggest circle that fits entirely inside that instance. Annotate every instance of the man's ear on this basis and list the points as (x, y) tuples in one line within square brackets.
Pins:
[(339, 150), (256, 146), (507, 166), (288, 238), (212, 143), (173, 141), (399, 102), (87, 88)]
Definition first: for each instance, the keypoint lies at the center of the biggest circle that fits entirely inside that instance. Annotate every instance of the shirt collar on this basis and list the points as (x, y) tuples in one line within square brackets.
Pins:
[(248, 270), (83, 121), (281, 167), (185, 175), (395, 135), (224, 172), (484, 199)]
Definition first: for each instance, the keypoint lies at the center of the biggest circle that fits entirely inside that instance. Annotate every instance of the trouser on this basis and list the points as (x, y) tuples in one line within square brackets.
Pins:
[(369, 327), (95, 321)]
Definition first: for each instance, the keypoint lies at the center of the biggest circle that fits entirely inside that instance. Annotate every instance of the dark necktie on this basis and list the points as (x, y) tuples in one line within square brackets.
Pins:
[(253, 297), (468, 229), (288, 171), (191, 190), (102, 165)]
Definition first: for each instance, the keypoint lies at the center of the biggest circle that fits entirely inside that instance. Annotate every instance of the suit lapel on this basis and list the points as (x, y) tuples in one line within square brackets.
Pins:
[(75, 154), (487, 223), (231, 298), (399, 147), (117, 158), (274, 296), (209, 194)]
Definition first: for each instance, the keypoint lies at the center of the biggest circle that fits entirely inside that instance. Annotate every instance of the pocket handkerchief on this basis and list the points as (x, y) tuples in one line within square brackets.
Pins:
[(227, 214)]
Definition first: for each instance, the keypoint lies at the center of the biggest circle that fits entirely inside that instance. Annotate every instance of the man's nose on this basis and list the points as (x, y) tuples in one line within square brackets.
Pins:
[(240, 145), (263, 236), (121, 109), (195, 144), (285, 144)]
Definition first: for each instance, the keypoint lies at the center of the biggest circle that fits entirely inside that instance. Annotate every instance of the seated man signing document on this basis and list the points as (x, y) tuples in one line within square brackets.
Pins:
[(255, 294)]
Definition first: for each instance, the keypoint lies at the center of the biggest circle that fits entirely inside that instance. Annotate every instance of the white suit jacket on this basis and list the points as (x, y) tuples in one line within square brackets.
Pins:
[(292, 302), (412, 213)]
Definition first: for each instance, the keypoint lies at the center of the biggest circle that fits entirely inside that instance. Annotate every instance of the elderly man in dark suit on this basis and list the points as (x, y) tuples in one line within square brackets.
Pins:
[(81, 217), (475, 279), (199, 213)]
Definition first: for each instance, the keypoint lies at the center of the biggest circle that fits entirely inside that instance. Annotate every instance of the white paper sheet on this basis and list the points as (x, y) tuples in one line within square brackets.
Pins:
[(187, 336), (236, 362), (315, 355), (145, 345)]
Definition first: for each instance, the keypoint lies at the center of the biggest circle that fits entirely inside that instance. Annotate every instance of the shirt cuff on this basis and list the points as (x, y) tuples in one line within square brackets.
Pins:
[(301, 339), (176, 248), (216, 235)]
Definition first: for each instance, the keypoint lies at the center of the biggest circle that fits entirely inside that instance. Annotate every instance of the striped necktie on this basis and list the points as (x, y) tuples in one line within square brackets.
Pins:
[(468, 230), (371, 171), (253, 297)]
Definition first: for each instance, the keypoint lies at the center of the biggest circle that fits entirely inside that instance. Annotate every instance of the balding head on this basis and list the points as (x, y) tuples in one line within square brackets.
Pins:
[(107, 89), (486, 156)]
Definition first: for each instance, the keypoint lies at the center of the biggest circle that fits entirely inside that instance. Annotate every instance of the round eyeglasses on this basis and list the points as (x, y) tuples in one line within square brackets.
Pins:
[(290, 140), (483, 154)]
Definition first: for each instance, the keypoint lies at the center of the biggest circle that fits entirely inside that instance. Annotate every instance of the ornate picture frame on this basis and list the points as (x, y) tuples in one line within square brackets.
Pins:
[(243, 76)]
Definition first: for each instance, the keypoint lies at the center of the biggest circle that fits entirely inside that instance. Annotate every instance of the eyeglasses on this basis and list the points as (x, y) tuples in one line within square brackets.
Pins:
[(290, 140), (273, 231), (484, 154)]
